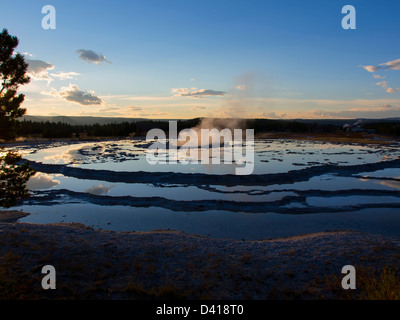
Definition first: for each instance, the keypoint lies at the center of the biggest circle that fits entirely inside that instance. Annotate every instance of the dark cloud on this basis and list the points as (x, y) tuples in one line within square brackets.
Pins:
[(91, 56), (81, 97), (185, 92), (39, 70), (74, 94), (38, 66)]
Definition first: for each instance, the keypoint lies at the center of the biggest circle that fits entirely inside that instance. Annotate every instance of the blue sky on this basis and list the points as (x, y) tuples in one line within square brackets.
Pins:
[(183, 59)]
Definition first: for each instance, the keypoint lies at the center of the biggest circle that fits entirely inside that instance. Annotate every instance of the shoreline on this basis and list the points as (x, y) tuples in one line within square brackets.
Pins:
[(12, 216), (160, 264), (360, 138)]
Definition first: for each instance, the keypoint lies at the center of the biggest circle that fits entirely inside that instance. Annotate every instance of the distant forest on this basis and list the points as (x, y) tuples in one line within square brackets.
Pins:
[(385, 128), (47, 129), (121, 129)]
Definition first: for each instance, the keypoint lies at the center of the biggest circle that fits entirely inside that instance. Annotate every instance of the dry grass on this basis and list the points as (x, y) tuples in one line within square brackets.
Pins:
[(371, 284), (105, 265)]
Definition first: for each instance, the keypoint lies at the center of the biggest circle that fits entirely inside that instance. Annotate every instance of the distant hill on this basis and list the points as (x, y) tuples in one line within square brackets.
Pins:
[(340, 122)]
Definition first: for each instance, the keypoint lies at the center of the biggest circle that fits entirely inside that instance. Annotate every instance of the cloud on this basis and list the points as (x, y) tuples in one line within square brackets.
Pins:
[(272, 115), (193, 92), (392, 90), (383, 111), (198, 108), (391, 65), (91, 56), (65, 75), (109, 109), (135, 109), (27, 54), (154, 113), (385, 107), (327, 109), (241, 87), (39, 70), (384, 84), (371, 68), (72, 93)]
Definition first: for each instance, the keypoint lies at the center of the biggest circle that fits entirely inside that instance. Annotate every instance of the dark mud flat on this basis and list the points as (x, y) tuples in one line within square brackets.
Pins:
[(93, 264)]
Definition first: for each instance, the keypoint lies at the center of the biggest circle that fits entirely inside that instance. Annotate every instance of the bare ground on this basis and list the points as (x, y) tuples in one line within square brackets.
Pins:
[(93, 264)]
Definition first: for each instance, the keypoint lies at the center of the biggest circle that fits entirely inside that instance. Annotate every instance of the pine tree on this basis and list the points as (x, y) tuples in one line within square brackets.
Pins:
[(13, 177)]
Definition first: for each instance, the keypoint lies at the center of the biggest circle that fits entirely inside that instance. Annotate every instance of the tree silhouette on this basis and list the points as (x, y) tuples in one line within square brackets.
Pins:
[(13, 177)]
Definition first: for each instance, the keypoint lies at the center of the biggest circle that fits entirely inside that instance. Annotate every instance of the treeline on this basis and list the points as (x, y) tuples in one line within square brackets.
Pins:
[(294, 126), (63, 130), (386, 128)]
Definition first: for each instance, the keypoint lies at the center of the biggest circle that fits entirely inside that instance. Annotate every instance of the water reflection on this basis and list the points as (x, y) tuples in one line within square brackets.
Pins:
[(316, 194), (100, 189), (42, 181), (271, 156)]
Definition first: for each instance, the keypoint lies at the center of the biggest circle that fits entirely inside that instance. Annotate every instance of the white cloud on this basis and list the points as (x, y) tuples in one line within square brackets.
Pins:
[(390, 65), (28, 54), (241, 87), (72, 93), (384, 84), (91, 56), (65, 75), (371, 68), (392, 90), (41, 71)]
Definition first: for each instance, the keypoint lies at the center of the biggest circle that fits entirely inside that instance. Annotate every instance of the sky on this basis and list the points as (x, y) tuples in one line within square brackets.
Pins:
[(181, 59)]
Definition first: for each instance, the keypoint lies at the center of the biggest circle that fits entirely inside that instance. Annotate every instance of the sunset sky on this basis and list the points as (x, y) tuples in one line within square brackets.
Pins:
[(183, 59)]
